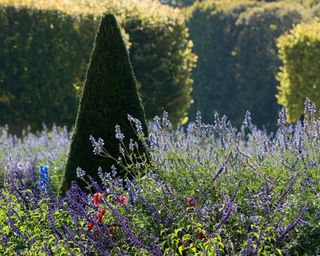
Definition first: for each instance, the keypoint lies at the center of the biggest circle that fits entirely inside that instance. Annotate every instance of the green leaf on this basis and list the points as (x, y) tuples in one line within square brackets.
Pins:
[(180, 249)]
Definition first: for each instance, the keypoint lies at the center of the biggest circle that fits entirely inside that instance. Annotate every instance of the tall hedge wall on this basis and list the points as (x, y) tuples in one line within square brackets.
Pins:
[(299, 74), (257, 59), (214, 33), (45, 46), (236, 45)]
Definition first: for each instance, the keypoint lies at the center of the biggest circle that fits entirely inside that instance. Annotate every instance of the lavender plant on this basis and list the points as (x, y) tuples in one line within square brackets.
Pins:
[(22, 157), (209, 189)]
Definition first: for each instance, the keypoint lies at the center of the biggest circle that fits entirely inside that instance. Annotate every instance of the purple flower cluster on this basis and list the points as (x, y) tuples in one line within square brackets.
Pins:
[(209, 188), (21, 157)]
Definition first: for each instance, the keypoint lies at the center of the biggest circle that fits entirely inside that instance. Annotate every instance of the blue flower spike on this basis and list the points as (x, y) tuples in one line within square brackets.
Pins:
[(44, 178)]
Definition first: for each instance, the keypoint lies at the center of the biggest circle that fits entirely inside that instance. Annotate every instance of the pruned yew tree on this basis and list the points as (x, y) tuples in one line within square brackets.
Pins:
[(108, 96)]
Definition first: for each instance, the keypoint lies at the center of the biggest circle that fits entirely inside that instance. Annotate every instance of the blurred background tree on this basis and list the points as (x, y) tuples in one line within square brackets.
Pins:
[(214, 32), (237, 58), (299, 74), (257, 61)]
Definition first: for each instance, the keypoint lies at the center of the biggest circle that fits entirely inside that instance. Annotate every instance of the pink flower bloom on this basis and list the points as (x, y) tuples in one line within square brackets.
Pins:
[(90, 225), (123, 200)]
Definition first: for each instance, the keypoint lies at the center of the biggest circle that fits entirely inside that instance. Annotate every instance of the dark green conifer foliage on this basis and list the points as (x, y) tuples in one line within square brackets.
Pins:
[(108, 96)]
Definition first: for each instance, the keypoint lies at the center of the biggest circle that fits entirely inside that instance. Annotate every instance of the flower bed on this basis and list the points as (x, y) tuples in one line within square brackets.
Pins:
[(209, 190)]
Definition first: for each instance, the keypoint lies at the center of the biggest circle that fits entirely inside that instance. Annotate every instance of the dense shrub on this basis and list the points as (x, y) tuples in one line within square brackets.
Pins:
[(236, 46), (306, 3), (46, 44), (178, 3), (38, 71), (214, 33), (109, 96), (163, 67), (299, 79), (257, 59)]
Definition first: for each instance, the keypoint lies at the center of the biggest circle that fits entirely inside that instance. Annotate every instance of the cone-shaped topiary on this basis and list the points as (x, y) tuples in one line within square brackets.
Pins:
[(108, 96)]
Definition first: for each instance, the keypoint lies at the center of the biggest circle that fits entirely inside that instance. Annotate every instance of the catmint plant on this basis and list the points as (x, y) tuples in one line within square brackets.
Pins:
[(204, 189)]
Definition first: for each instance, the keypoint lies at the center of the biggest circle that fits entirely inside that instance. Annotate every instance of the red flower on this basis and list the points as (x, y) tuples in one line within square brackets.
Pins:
[(100, 214), (90, 225), (97, 197), (123, 200), (190, 202)]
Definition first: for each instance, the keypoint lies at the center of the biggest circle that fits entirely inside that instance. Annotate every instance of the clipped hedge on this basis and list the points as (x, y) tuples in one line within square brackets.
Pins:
[(306, 3), (299, 78), (213, 30), (45, 46), (39, 66), (236, 45), (257, 59), (178, 3)]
